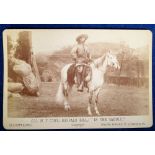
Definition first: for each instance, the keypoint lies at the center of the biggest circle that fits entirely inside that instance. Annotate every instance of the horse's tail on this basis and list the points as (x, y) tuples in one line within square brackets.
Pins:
[(60, 94)]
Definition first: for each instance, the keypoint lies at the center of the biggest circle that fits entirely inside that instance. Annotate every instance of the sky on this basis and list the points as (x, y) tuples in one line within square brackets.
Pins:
[(54, 39)]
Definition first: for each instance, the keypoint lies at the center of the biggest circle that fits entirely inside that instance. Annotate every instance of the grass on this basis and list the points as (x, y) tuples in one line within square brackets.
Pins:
[(113, 101)]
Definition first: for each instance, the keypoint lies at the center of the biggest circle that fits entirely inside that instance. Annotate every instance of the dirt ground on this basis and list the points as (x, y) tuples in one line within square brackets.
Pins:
[(113, 100)]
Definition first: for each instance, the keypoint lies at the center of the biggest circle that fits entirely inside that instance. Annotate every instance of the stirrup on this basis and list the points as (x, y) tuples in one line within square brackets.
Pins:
[(80, 89)]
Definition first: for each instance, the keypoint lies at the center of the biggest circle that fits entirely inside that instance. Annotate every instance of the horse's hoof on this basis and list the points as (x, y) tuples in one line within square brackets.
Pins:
[(98, 114), (67, 108)]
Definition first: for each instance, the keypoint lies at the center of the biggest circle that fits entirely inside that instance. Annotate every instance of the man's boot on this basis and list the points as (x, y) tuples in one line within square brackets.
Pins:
[(80, 88)]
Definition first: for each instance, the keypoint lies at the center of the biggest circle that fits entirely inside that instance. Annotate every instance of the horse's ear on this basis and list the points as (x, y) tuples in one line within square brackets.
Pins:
[(108, 52)]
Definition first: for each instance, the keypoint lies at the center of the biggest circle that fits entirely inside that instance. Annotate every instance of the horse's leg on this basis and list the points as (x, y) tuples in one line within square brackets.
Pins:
[(89, 103), (96, 100), (66, 104), (66, 94)]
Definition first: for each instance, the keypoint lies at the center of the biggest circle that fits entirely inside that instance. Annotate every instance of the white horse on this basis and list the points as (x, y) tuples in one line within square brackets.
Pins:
[(99, 67)]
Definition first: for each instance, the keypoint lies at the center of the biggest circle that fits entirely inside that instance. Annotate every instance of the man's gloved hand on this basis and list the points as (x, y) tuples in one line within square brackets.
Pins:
[(89, 60)]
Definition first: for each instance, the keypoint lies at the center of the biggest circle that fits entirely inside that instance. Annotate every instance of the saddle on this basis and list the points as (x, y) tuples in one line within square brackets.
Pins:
[(72, 72)]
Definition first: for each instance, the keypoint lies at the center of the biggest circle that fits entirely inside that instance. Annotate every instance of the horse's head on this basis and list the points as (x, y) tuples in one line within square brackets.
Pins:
[(112, 60)]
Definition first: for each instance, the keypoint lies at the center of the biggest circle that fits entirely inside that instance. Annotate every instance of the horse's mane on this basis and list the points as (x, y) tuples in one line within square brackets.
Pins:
[(99, 61)]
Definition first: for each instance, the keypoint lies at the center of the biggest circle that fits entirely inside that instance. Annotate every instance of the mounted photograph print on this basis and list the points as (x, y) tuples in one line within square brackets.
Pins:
[(77, 79)]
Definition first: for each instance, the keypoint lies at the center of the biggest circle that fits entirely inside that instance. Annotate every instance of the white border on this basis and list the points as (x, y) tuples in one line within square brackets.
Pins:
[(35, 123)]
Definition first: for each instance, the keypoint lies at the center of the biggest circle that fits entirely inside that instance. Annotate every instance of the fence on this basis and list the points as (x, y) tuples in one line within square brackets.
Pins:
[(128, 81)]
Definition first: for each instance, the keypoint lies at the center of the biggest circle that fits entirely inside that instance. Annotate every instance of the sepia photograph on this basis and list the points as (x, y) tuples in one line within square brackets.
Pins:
[(77, 78)]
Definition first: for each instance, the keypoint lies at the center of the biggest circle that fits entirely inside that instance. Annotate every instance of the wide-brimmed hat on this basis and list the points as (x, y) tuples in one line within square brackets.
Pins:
[(82, 36)]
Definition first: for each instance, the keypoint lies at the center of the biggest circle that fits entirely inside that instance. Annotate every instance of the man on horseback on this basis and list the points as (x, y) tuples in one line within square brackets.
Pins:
[(82, 58)]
